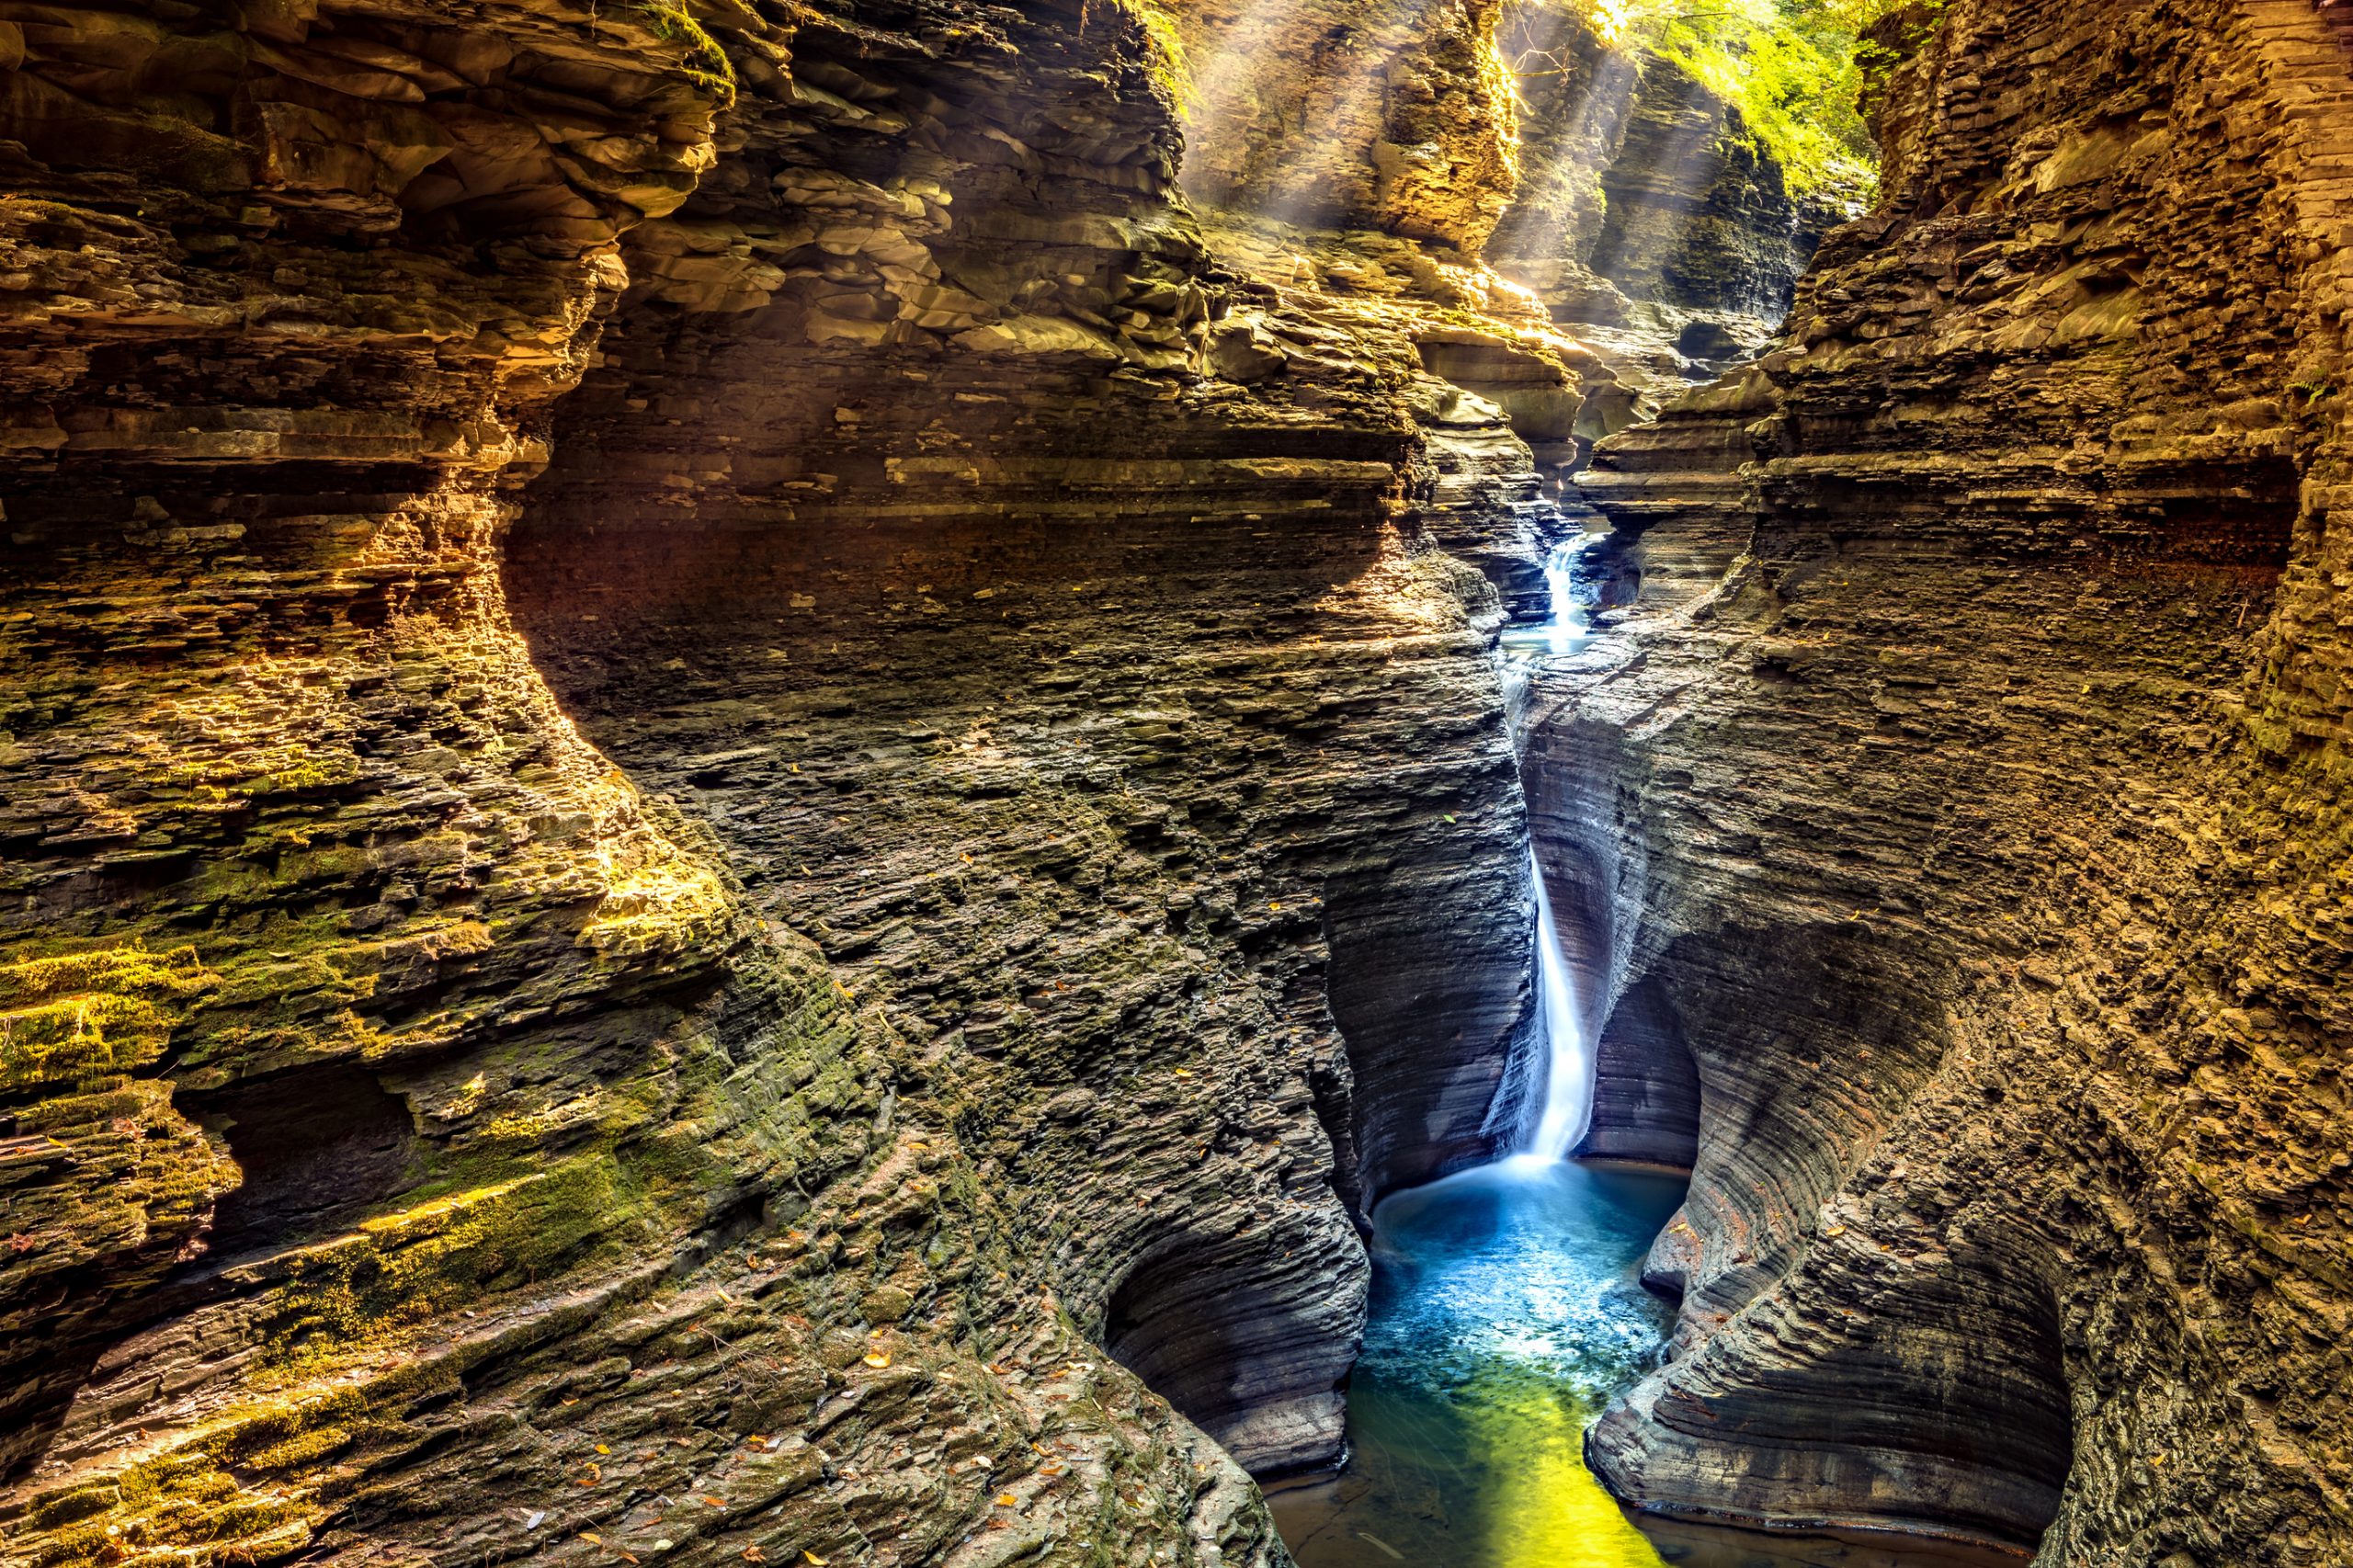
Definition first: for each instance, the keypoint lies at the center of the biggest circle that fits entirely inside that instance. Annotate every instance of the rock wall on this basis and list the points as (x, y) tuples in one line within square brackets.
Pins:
[(1962, 801), (288, 813), (1642, 207), (720, 1105), (712, 761), (1340, 113)]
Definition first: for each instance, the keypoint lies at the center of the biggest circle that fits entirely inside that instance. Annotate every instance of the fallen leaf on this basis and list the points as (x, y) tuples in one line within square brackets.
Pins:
[(878, 1358), (1006, 1500), (815, 1561), (592, 1535), (753, 1554), (602, 1449), (716, 1502)]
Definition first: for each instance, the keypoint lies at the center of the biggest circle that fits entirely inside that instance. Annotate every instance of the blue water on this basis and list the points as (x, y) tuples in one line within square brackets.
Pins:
[(1507, 1310)]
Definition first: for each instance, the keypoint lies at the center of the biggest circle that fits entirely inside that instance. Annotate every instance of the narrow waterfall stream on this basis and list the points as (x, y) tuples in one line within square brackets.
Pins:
[(1507, 1310), (1568, 1064)]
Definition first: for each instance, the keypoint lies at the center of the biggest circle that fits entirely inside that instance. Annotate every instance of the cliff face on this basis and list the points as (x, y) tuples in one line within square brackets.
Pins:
[(1620, 190), (297, 845), (1643, 208), (421, 1136), (1340, 113), (1961, 810), (1112, 733), (722, 782)]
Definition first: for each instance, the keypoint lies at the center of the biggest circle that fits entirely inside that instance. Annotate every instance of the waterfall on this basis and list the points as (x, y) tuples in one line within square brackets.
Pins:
[(1570, 625), (1568, 1065), (1568, 628), (1561, 1055)]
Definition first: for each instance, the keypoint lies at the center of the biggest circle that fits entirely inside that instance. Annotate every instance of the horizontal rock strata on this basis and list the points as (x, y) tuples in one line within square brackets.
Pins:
[(423, 1134), (1645, 215), (1350, 113), (1961, 796)]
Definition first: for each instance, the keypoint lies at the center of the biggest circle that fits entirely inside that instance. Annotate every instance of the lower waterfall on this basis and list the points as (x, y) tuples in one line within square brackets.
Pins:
[(1567, 1062), (1507, 1310)]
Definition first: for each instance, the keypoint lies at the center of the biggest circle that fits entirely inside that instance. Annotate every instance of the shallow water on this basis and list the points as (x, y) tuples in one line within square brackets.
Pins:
[(1506, 1313)]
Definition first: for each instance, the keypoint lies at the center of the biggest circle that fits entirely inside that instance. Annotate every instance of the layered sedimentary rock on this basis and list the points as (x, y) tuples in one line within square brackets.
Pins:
[(1961, 809), (1340, 113), (1603, 177), (724, 787), (1643, 208), (289, 820), (420, 1137), (1151, 657)]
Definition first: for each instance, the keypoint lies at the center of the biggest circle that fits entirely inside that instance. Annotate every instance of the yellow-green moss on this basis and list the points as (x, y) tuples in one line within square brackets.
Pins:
[(79, 1017), (1166, 61), (706, 62)]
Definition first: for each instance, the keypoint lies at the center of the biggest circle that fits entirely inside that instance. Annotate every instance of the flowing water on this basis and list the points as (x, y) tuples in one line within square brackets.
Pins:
[(1569, 628), (1507, 1310), (1504, 1313), (1568, 1065)]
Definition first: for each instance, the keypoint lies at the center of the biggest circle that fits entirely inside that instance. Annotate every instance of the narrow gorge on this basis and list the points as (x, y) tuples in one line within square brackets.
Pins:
[(1124, 783)]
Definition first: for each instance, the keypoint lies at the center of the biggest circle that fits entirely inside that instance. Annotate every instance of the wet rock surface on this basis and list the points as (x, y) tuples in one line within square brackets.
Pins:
[(1954, 809), (426, 1135), (728, 785)]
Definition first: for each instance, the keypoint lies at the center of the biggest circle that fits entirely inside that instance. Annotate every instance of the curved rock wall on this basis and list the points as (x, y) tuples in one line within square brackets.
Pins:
[(1080, 715), (418, 1137), (995, 837), (287, 811), (1983, 745)]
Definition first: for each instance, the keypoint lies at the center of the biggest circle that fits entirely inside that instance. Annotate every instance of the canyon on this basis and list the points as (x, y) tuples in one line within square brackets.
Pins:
[(759, 762)]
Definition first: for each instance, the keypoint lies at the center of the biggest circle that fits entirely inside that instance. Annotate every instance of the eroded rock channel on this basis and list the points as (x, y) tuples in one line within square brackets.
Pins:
[(768, 771)]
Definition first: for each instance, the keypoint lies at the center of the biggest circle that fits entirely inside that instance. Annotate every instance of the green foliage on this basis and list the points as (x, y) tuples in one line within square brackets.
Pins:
[(1165, 59), (706, 62), (1795, 70)]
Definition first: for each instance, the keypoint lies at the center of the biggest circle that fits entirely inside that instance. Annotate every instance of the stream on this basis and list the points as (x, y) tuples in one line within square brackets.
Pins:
[(1507, 1310), (1504, 1312)]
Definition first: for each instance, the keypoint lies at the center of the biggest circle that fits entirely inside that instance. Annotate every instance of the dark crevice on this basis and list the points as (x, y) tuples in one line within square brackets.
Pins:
[(317, 1147)]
